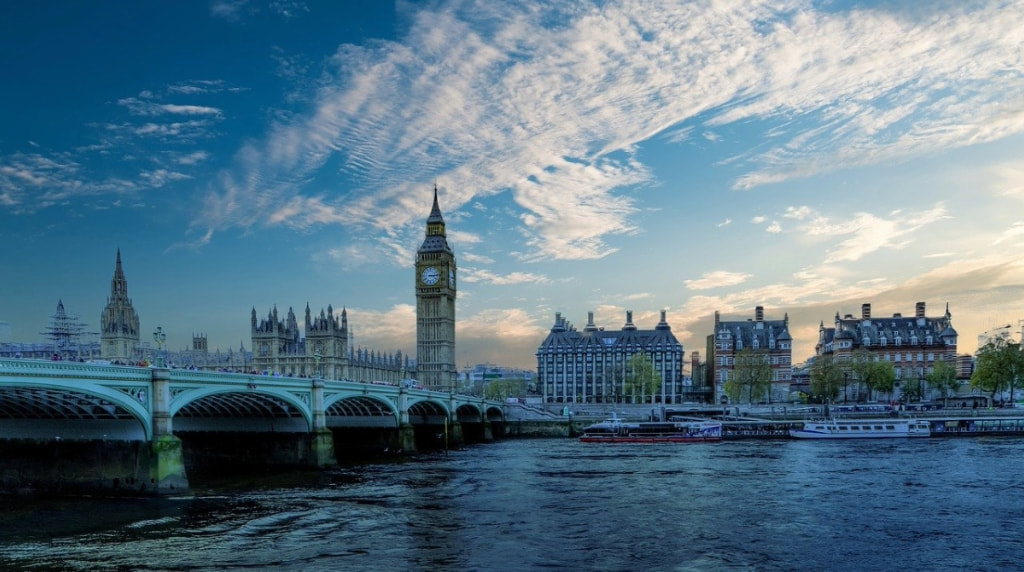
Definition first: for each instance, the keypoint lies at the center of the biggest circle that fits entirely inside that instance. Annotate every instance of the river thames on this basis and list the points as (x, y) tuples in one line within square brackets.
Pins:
[(557, 504)]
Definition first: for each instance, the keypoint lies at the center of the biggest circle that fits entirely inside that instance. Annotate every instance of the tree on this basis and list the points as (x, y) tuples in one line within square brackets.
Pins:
[(826, 378), (641, 377), (875, 374), (752, 373), (500, 389), (913, 389), (998, 367), (882, 377), (942, 377)]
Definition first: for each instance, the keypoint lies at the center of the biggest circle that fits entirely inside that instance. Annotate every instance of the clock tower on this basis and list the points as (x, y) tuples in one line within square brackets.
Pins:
[(435, 306)]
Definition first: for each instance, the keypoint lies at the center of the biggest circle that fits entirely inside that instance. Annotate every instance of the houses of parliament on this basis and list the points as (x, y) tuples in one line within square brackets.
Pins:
[(322, 346)]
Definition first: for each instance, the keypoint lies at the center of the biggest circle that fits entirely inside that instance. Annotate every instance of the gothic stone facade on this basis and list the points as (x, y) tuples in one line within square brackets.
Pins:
[(119, 338), (435, 306), (320, 350)]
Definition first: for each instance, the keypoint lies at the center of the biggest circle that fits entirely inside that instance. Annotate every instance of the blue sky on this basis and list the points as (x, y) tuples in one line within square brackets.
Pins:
[(804, 156)]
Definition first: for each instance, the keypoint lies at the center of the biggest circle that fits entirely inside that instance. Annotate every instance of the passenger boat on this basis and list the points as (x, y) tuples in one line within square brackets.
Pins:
[(862, 429), (615, 430)]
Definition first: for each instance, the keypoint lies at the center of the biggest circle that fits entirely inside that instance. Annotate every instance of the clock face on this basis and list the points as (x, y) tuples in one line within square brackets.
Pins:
[(430, 276), (451, 278)]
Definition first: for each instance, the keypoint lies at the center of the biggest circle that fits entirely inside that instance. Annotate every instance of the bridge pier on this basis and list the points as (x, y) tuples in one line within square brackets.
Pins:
[(167, 465), (455, 437), (322, 449), (406, 438)]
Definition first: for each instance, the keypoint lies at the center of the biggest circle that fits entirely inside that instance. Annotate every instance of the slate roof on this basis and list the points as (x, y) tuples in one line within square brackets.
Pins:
[(565, 338)]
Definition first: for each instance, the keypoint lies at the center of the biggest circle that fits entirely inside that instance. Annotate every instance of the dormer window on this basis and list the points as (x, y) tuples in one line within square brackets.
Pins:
[(756, 344), (882, 340), (867, 341), (899, 341)]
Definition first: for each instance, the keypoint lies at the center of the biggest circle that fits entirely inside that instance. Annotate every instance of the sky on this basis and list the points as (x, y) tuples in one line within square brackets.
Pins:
[(692, 157)]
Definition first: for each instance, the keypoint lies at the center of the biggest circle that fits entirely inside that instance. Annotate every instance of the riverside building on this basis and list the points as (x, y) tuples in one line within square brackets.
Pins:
[(321, 349), (912, 344), (769, 338), (592, 366)]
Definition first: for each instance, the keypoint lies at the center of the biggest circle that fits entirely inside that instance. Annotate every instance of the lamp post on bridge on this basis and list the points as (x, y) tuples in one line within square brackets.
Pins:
[(159, 336), (316, 360)]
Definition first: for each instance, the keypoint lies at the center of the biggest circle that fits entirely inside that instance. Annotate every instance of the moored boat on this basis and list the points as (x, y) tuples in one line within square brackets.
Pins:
[(615, 430), (862, 429)]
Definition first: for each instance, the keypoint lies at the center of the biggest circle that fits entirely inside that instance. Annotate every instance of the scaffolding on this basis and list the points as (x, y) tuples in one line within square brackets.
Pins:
[(65, 334)]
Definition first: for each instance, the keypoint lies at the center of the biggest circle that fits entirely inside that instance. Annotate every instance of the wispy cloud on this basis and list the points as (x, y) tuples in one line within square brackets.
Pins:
[(230, 10), (33, 181), (199, 86), (868, 233), (551, 106), (473, 275), (1014, 233), (143, 107), (717, 279)]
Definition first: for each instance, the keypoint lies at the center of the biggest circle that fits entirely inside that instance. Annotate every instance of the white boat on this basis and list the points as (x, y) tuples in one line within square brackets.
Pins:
[(862, 429)]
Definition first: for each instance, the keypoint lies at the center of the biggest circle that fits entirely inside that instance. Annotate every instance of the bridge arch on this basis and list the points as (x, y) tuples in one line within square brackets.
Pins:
[(234, 409), (360, 411), (85, 410), (468, 413), (428, 412)]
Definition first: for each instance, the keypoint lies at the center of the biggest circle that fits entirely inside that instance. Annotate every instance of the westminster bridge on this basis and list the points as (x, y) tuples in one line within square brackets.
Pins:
[(79, 427)]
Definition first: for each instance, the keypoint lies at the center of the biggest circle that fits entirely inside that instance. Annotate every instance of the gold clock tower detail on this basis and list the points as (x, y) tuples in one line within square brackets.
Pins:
[(435, 306)]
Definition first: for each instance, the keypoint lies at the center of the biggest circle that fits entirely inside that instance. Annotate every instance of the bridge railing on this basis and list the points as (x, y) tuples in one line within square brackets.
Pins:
[(46, 368)]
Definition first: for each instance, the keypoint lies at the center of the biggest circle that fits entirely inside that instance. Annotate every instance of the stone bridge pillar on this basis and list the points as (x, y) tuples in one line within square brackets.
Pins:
[(322, 439), (161, 392), (406, 438), (317, 405), (488, 432), (167, 464)]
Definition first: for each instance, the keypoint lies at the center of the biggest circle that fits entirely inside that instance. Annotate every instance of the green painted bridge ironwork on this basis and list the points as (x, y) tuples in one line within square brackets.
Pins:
[(58, 400)]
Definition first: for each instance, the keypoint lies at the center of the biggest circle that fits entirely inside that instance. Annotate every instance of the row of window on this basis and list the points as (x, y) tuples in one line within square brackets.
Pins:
[(778, 375), (727, 360)]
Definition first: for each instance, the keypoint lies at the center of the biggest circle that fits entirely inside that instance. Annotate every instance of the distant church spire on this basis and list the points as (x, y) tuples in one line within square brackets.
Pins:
[(119, 323), (118, 284)]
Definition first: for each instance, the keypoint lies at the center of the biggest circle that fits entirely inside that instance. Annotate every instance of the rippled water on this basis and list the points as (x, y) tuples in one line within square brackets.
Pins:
[(919, 505)]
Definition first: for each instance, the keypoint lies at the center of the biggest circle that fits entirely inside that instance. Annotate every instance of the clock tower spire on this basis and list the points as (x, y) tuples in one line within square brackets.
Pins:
[(435, 305)]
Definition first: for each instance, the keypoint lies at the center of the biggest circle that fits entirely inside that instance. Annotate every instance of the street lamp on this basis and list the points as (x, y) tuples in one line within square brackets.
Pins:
[(159, 337)]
